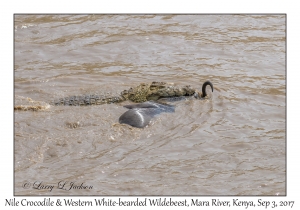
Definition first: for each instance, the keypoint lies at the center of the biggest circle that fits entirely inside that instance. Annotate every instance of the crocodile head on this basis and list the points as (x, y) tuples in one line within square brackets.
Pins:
[(156, 90)]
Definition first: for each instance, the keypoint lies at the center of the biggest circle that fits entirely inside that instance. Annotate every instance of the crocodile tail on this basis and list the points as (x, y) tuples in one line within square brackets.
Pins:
[(86, 100)]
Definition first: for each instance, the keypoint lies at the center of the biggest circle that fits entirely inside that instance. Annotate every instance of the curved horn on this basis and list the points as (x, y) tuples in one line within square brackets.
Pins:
[(204, 88)]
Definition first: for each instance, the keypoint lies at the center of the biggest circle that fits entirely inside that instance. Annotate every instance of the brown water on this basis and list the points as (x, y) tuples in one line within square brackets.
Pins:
[(230, 144)]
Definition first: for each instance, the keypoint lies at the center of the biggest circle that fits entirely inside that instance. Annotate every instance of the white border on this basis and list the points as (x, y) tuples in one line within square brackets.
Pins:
[(150, 6)]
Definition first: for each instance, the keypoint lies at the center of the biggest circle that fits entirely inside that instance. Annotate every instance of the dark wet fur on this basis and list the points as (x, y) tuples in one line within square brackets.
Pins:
[(139, 115)]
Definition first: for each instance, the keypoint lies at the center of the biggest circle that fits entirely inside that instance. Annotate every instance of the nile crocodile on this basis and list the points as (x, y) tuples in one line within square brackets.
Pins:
[(140, 114), (141, 93)]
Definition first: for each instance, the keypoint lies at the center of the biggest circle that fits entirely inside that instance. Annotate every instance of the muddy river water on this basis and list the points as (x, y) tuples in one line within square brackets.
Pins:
[(232, 143)]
